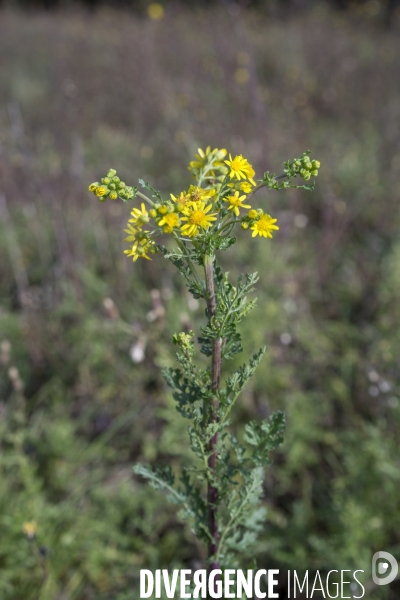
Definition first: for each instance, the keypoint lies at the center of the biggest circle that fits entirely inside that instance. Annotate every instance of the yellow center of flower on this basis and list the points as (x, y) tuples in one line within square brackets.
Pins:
[(198, 217), (234, 200)]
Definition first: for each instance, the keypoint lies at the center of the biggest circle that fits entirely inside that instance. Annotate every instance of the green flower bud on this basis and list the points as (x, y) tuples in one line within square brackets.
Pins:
[(308, 166), (297, 163), (112, 186), (92, 187), (111, 173), (116, 179), (314, 173), (121, 184), (106, 180), (307, 176), (143, 219), (316, 164), (113, 195)]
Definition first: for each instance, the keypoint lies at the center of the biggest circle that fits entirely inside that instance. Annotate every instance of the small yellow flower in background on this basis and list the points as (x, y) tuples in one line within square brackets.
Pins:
[(169, 222), (235, 202), (140, 216), (197, 217), (204, 155), (240, 168), (155, 11), (252, 214), (264, 226), (29, 528)]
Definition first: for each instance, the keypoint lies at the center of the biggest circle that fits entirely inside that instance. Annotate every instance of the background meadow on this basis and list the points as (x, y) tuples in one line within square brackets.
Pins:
[(83, 331)]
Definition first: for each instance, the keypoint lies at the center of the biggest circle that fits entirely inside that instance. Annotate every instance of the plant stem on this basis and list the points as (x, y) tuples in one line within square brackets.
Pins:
[(212, 491)]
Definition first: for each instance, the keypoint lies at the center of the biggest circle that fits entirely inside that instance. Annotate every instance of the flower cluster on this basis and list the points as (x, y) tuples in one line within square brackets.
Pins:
[(207, 212), (112, 187)]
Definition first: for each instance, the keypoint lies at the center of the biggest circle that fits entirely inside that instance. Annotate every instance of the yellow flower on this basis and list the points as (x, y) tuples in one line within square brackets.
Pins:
[(235, 202), (138, 251), (252, 214), (155, 11), (264, 226), (246, 187), (169, 222), (93, 186), (198, 194), (240, 168), (140, 216), (29, 528), (204, 156), (197, 217), (181, 200), (133, 233), (101, 190)]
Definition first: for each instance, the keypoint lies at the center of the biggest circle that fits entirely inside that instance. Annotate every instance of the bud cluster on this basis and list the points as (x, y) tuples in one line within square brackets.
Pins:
[(303, 166), (112, 187)]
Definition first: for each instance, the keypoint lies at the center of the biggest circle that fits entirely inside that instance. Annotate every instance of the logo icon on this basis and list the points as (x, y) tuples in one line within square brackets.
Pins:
[(380, 566)]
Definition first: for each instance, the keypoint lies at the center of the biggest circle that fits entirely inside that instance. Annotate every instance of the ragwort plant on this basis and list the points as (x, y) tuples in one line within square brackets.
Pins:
[(220, 493)]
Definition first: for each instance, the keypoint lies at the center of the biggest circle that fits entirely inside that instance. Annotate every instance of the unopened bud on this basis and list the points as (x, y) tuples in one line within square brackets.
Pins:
[(111, 173), (314, 173), (153, 213), (113, 195)]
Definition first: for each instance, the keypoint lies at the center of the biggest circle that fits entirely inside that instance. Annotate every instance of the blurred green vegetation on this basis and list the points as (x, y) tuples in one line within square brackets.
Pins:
[(83, 331)]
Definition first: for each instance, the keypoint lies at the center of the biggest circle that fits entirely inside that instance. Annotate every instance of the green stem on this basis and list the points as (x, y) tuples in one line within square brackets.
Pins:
[(189, 260), (212, 491), (145, 198)]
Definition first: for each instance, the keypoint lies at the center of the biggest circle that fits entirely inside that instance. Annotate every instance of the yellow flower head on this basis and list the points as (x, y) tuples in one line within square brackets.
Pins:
[(264, 226), (235, 202), (93, 186), (169, 222), (29, 528), (140, 216), (240, 168), (139, 251), (135, 234), (197, 218), (181, 200), (252, 214), (155, 11), (246, 187), (203, 157), (101, 190), (198, 194)]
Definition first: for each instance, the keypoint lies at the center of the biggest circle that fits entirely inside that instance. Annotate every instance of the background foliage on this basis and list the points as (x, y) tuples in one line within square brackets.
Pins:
[(88, 331)]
